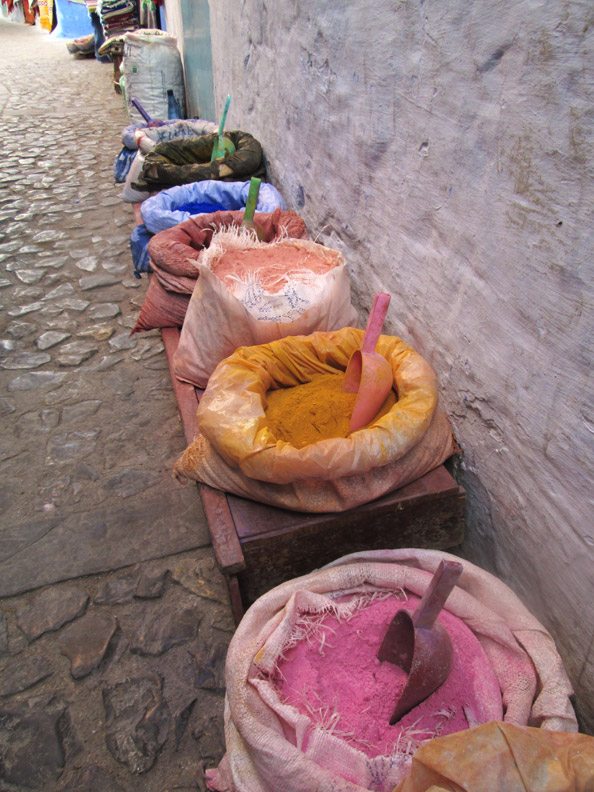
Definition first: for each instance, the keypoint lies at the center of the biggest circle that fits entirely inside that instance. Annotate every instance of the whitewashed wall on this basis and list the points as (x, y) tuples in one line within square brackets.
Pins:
[(171, 21), (446, 148)]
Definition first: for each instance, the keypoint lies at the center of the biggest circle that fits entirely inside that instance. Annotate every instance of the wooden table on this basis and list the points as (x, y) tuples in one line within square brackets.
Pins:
[(259, 546)]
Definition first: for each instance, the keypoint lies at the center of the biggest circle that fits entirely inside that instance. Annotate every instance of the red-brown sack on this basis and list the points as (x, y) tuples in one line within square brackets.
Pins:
[(161, 308), (182, 284), (176, 249)]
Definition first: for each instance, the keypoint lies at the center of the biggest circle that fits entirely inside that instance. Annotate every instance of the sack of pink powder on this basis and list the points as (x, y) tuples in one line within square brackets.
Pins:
[(308, 703)]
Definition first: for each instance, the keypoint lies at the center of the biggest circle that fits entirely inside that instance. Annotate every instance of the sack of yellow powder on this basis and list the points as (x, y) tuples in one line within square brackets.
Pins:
[(251, 292), (238, 452)]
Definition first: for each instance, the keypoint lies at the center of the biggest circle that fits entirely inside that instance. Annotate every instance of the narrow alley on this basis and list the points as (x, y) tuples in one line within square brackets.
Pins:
[(111, 674), (295, 356)]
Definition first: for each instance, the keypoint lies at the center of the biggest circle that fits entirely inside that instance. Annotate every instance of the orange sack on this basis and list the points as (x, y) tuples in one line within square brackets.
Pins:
[(505, 757), (237, 452)]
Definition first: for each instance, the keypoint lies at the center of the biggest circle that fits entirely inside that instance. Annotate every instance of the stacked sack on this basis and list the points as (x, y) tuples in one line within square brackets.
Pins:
[(118, 17)]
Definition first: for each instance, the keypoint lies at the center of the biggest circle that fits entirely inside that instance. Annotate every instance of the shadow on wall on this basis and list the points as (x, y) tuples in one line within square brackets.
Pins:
[(480, 545)]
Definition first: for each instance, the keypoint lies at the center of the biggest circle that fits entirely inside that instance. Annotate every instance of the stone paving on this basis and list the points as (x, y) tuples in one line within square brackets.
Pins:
[(114, 620)]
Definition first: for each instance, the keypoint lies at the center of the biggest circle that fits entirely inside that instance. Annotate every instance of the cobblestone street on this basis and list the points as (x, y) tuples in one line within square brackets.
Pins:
[(114, 619)]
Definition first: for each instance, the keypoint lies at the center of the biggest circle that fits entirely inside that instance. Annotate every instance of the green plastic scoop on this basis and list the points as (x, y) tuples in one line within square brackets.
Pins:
[(250, 208), (223, 145)]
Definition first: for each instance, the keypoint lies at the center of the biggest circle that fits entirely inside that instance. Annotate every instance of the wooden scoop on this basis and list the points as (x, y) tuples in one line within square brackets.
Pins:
[(369, 374), (420, 646), (223, 145)]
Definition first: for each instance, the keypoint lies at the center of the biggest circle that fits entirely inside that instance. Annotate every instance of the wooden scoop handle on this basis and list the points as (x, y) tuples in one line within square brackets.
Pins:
[(437, 592), (378, 312)]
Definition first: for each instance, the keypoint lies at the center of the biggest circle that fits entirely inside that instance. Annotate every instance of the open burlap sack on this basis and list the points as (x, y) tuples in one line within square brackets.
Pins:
[(176, 249), (251, 292), (201, 462), (238, 453), (502, 756), (261, 758), (174, 252)]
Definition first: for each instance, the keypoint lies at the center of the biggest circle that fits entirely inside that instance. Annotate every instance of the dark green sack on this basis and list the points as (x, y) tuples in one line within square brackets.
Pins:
[(187, 160)]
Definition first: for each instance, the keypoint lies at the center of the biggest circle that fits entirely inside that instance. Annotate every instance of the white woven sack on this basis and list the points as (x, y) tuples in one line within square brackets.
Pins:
[(535, 688), (219, 321), (129, 194), (152, 66), (148, 137)]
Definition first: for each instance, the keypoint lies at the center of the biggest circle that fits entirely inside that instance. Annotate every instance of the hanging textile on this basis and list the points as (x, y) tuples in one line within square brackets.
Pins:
[(149, 14), (46, 14), (29, 11)]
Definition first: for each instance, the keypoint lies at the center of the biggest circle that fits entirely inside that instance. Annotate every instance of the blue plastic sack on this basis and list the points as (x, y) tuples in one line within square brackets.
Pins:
[(122, 164), (139, 240), (165, 209)]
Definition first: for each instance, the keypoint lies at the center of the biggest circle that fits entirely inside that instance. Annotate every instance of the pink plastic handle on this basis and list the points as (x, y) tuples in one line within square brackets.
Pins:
[(379, 309)]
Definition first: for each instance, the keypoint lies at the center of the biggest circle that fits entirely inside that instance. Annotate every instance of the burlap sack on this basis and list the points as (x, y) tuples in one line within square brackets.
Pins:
[(262, 304), (534, 686), (499, 757), (201, 462), (161, 308), (174, 252), (237, 453)]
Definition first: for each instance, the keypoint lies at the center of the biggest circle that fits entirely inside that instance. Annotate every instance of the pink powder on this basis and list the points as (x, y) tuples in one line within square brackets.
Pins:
[(336, 679)]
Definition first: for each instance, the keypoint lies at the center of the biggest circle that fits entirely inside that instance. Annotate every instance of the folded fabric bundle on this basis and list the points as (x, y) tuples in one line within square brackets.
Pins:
[(129, 9), (122, 25), (114, 45), (118, 17), (109, 6)]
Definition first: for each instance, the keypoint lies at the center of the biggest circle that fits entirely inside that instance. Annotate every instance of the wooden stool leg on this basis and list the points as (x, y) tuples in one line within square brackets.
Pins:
[(235, 595)]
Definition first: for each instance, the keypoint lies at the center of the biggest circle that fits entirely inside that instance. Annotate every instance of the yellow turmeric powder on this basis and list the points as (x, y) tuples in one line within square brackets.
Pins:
[(317, 410)]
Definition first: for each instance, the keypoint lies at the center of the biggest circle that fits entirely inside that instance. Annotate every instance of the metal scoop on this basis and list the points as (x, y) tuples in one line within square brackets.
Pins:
[(369, 374), (420, 646)]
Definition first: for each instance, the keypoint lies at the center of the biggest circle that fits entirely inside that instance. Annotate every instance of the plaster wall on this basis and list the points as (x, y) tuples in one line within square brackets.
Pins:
[(189, 22), (446, 148), (171, 21)]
